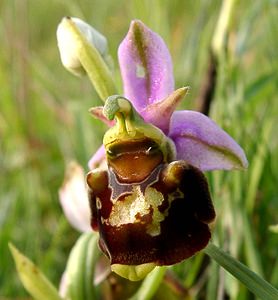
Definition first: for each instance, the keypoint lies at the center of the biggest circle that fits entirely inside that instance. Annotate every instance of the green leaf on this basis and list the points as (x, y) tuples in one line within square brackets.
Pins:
[(251, 280), (32, 278), (80, 268)]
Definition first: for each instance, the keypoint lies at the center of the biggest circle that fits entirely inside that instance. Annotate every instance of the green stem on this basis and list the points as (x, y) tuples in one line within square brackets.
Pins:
[(251, 280), (150, 284)]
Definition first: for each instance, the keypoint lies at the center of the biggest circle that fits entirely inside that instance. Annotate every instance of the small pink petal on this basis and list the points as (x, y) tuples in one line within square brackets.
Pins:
[(98, 160), (159, 113), (201, 143), (97, 112), (146, 66), (74, 199)]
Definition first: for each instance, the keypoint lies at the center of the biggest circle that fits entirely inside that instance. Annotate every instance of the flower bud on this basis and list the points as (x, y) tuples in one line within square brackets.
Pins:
[(83, 49), (68, 45)]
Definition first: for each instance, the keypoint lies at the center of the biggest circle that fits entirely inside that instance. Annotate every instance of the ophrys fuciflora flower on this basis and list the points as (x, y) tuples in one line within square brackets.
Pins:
[(151, 203)]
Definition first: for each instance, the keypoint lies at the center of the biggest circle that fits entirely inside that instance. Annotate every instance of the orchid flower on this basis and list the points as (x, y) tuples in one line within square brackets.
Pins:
[(151, 204)]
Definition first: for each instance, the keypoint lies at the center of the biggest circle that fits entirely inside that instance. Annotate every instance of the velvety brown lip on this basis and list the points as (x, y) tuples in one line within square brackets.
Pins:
[(183, 230)]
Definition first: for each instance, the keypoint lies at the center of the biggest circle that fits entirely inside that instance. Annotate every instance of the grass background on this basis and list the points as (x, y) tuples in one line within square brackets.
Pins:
[(44, 123)]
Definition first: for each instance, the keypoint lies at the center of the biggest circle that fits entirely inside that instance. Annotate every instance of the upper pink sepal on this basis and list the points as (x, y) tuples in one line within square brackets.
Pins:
[(146, 66)]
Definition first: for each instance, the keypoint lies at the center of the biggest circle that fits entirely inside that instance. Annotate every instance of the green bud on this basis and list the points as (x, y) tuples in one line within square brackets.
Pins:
[(84, 50)]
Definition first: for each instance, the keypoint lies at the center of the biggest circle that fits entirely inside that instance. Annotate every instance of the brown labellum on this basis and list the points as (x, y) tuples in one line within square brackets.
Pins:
[(162, 219)]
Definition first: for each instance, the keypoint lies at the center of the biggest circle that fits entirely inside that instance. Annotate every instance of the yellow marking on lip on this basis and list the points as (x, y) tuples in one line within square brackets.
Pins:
[(137, 205), (126, 211), (156, 199)]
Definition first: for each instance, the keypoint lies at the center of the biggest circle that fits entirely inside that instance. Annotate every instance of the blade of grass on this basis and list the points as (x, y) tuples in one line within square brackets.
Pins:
[(274, 275), (194, 269), (251, 250), (257, 165), (251, 280), (212, 281)]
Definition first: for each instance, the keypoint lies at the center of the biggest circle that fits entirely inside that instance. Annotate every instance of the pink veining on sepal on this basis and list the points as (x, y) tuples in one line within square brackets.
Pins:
[(201, 143), (146, 66)]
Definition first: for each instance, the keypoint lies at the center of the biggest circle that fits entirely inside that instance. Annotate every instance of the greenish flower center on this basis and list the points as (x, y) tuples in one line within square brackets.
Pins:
[(134, 148)]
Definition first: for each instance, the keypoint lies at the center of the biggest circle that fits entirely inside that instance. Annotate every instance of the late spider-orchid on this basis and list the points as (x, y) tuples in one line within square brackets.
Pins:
[(151, 203)]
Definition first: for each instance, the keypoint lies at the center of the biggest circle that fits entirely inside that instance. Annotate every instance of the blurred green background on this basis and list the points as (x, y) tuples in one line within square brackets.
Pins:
[(44, 123)]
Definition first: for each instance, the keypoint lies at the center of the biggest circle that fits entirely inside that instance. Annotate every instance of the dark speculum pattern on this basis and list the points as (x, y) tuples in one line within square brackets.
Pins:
[(163, 219)]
